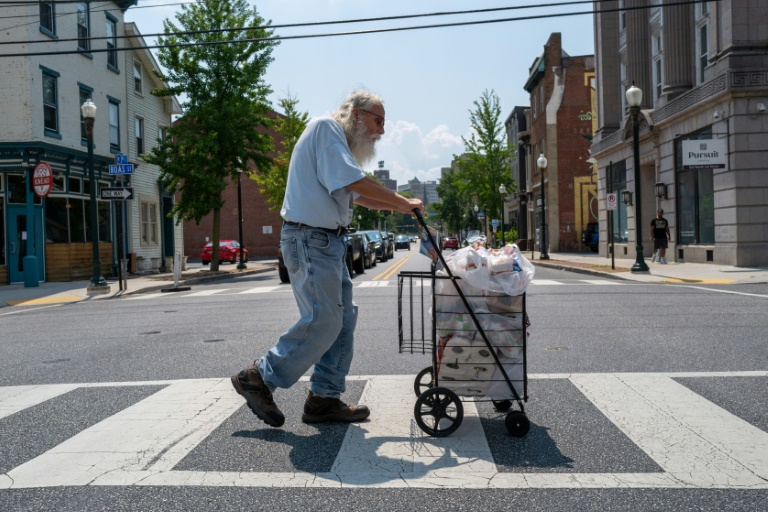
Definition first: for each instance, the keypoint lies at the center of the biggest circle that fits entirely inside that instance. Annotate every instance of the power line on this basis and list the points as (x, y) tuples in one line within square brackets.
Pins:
[(319, 23), (337, 34)]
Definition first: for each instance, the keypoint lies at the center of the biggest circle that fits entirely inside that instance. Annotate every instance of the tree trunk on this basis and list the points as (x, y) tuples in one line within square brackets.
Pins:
[(215, 239)]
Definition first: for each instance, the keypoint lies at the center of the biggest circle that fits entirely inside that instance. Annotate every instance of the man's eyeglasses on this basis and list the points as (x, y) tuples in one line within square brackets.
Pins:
[(379, 119)]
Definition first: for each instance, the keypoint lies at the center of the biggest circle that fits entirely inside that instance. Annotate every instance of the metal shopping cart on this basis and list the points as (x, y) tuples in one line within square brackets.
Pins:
[(477, 342)]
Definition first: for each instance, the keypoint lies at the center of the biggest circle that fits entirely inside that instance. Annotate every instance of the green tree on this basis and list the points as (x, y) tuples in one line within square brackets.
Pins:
[(220, 75), (485, 163), (272, 179), (452, 206)]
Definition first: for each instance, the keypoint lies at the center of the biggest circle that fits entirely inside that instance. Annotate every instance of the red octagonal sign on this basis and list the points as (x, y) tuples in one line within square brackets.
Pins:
[(42, 179)]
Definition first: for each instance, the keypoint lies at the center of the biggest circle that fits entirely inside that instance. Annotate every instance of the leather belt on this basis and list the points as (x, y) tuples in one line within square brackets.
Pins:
[(341, 230)]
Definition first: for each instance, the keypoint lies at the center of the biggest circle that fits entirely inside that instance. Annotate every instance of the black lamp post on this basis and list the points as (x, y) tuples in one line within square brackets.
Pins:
[(97, 284), (543, 254), (241, 265), (502, 193), (634, 99)]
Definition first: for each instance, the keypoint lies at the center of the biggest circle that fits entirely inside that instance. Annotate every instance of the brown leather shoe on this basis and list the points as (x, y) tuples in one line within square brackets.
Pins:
[(319, 410), (250, 385)]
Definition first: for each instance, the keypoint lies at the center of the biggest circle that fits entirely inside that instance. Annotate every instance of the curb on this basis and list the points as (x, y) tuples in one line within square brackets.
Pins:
[(194, 280), (579, 270)]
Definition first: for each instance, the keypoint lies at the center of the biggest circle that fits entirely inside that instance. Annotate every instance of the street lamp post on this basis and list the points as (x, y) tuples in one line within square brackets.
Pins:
[(634, 99), (241, 265), (98, 284), (543, 254), (502, 193), (359, 218)]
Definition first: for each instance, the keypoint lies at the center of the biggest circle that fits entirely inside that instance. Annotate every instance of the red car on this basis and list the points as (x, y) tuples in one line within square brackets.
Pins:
[(451, 243), (229, 250)]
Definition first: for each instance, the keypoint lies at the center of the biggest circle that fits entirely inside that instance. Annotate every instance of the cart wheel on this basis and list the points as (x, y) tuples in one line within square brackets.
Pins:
[(423, 381), (438, 412), (502, 405), (517, 424)]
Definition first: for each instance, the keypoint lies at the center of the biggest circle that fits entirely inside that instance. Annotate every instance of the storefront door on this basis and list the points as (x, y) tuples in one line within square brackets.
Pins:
[(17, 243)]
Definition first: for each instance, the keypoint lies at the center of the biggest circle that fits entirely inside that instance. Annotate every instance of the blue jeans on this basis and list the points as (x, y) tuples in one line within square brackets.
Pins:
[(324, 334)]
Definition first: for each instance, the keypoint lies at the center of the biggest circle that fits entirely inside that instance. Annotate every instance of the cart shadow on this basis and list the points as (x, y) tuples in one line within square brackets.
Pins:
[(364, 464), (537, 449)]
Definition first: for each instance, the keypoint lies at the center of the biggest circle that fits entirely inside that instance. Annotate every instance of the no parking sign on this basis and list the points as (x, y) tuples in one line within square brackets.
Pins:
[(610, 201)]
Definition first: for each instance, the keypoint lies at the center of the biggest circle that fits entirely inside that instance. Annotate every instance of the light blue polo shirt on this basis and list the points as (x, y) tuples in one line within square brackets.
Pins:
[(320, 169)]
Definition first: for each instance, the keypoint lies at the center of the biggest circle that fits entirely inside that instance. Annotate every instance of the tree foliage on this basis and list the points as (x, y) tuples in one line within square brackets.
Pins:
[(224, 108), (272, 179), (486, 162)]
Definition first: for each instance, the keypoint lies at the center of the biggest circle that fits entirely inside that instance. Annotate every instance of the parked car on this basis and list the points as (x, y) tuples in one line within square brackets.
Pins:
[(369, 251), (451, 242), (402, 242), (380, 243), (354, 257), (391, 248), (282, 271), (229, 250)]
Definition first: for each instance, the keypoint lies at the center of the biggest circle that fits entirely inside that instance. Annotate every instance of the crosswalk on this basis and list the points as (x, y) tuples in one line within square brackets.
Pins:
[(364, 284), (694, 442)]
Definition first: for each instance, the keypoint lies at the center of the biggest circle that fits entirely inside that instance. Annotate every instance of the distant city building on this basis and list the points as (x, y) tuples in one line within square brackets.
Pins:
[(426, 190), (383, 176)]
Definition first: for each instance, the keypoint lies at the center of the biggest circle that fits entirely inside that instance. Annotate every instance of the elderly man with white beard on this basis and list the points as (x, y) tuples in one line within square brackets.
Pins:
[(324, 180)]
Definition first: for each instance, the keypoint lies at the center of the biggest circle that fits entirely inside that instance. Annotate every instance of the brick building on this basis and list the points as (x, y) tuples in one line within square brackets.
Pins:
[(261, 227), (560, 126)]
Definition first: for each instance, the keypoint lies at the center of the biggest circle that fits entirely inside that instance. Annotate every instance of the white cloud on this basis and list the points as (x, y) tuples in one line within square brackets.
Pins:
[(407, 151)]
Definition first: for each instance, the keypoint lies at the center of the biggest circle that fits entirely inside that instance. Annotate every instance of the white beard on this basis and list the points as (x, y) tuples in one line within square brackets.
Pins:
[(362, 145)]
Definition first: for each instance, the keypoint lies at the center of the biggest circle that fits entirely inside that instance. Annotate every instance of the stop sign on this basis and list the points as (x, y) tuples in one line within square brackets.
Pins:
[(42, 179)]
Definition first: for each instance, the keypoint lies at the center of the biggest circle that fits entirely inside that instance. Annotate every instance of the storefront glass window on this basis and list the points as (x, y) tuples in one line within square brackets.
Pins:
[(17, 189), (56, 222), (2, 230), (695, 199), (105, 221), (76, 221)]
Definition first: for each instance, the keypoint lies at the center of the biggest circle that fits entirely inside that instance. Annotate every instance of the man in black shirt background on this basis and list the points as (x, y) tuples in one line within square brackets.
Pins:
[(660, 236)]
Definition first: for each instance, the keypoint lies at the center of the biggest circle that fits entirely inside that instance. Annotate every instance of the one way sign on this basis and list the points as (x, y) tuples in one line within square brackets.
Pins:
[(117, 193)]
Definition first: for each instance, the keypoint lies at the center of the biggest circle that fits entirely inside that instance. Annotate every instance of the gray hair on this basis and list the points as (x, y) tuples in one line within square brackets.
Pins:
[(362, 99)]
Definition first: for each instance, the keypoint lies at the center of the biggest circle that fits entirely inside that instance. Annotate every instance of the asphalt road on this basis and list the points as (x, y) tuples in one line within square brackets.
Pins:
[(641, 397)]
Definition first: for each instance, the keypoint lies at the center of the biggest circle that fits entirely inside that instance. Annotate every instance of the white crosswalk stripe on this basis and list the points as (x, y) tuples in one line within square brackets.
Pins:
[(696, 443), (206, 293), (369, 284), (261, 289)]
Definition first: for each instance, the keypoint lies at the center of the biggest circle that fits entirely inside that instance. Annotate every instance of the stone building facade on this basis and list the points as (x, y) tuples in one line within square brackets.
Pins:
[(703, 70)]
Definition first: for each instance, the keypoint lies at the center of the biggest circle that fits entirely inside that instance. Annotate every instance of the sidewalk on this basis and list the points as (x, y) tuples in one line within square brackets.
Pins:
[(679, 273), (75, 291), (586, 263)]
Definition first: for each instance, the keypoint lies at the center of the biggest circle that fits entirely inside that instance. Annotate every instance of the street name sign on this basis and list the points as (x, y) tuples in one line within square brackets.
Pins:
[(117, 193), (120, 169)]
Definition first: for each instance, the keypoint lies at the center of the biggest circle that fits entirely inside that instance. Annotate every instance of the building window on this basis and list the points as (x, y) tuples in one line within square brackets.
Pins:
[(148, 213), (704, 8), (658, 65), (616, 177), (47, 16), (137, 77), (50, 102), (535, 100), (114, 125), (139, 128), (83, 26), (111, 42), (162, 133), (622, 16), (703, 47), (695, 199)]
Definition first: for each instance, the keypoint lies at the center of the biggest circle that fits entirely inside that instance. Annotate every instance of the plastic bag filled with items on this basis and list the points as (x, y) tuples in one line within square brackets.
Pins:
[(504, 270)]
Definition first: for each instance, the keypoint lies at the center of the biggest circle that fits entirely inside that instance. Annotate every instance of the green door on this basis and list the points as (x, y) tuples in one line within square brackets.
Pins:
[(17, 243)]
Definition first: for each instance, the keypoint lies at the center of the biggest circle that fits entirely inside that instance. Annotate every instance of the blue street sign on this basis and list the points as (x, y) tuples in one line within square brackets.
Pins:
[(121, 169), (494, 222), (121, 159)]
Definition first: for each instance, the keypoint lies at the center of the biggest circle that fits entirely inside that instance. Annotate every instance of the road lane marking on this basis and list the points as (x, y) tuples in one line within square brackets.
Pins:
[(262, 289), (17, 398), (44, 300), (369, 284), (143, 296), (697, 443), (728, 291), (598, 281), (206, 293), (544, 282), (388, 273)]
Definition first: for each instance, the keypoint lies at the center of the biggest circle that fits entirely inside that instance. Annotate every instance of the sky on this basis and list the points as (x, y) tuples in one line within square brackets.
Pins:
[(428, 78)]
